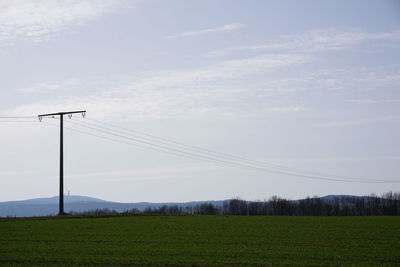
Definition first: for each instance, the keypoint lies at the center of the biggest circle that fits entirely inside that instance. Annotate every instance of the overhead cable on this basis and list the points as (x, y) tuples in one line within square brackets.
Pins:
[(208, 157)]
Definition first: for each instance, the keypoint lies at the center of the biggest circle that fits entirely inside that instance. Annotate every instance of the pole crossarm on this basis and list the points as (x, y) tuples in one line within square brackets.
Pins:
[(61, 113)]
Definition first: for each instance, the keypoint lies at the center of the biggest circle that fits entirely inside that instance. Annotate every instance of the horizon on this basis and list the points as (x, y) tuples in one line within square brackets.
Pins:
[(211, 200), (333, 205)]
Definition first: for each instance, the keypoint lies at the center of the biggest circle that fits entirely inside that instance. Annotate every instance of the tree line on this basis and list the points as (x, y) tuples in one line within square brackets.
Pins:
[(386, 205)]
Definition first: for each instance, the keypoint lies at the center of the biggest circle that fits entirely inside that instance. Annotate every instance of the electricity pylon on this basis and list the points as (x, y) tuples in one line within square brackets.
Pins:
[(61, 114)]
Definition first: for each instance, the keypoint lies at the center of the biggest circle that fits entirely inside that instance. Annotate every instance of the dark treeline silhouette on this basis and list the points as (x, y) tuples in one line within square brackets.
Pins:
[(388, 204)]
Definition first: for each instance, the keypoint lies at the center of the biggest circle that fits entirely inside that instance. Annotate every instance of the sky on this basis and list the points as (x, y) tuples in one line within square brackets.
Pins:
[(312, 86)]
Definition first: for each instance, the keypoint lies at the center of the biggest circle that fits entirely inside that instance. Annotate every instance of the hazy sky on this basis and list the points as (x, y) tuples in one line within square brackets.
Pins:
[(311, 85)]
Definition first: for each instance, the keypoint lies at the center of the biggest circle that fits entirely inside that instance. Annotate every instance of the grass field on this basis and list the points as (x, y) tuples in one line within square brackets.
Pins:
[(201, 241)]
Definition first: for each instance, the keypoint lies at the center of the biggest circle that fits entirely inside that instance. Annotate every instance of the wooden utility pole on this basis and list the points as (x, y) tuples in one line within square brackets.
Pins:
[(61, 114)]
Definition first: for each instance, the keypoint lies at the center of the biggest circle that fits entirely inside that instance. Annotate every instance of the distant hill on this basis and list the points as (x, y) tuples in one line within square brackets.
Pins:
[(49, 206), (333, 197), (52, 200)]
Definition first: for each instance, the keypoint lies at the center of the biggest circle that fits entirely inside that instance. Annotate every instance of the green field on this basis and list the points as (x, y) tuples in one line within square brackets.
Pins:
[(201, 241)]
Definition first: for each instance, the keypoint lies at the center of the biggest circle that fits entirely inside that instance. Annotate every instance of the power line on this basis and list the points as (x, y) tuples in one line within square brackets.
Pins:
[(1, 121), (18, 117), (126, 143), (159, 144), (235, 163), (141, 146), (215, 153), (161, 148)]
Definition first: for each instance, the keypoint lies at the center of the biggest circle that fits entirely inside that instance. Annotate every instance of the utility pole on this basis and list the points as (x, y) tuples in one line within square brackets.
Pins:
[(61, 114)]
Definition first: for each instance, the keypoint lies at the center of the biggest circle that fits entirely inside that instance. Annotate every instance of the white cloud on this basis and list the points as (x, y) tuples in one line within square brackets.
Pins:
[(315, 41), (349, 81), (373, 101), (365, 121), (41, 86), (37, 20), (220, 88), (249, 87), (224, 28), (53, 86), (288, 109)]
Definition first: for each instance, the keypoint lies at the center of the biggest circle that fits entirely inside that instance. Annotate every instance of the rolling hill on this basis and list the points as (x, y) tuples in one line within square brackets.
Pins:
[(49, 206)]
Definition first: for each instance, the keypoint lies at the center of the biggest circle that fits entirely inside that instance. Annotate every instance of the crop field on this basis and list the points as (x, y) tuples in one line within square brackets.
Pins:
[(200, 241)]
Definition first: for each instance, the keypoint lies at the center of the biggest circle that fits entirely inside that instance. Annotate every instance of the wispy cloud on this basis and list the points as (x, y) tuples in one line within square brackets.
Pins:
[(315, 41), (245, 87), (224, 28), (220, 88), (373, 101), (42, 87), (38, 20), (357, 122), (288, 109)]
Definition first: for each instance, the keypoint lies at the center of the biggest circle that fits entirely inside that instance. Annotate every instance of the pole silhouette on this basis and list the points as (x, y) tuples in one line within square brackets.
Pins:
[(61, 114)]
